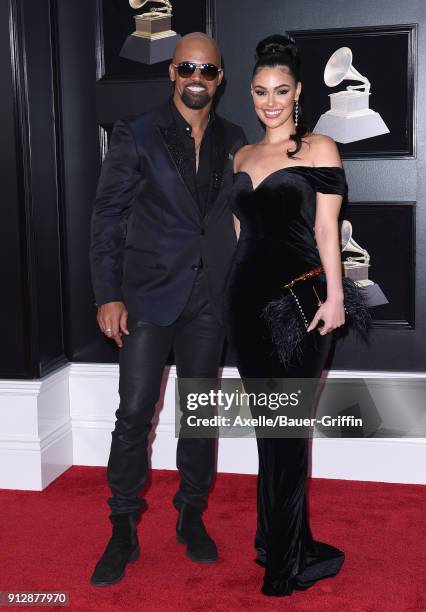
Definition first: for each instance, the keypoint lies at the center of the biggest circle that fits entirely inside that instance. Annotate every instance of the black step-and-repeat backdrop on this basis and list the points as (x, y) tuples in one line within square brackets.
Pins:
[(66, 85)]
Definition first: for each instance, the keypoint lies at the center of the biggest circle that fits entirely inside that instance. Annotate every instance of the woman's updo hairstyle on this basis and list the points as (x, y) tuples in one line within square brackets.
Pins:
[(281, 51), (278, 50)]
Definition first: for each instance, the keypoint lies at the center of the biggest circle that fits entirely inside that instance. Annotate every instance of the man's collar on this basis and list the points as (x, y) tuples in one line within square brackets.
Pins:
[(182, 122), (179, 118)]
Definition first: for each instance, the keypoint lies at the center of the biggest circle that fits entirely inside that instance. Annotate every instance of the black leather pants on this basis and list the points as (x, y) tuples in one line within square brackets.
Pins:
[(197, 341)]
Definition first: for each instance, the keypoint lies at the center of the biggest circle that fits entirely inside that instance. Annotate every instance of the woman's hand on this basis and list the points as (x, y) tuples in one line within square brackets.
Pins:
[(332, 312)]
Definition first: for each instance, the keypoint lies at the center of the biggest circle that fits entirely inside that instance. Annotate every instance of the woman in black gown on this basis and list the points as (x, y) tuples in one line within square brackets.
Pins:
[(286, 200)]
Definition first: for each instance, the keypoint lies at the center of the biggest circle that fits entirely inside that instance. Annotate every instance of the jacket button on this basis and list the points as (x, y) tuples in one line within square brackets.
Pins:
[(194, 267)]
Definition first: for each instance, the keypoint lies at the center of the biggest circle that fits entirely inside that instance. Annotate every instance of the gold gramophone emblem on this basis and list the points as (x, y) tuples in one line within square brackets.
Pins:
[(167, 8), (156, 23), (153, 40)]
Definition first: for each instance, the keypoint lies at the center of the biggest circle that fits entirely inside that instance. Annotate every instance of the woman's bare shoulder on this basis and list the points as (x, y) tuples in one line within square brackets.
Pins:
[(323, 150), (241, 156)]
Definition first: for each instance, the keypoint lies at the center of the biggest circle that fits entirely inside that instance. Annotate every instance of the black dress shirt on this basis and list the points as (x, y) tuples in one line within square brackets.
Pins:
[(199, 181)]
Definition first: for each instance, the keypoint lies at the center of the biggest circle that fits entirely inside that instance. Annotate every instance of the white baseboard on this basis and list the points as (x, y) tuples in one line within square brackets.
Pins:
[(35, 431), (67, 419)]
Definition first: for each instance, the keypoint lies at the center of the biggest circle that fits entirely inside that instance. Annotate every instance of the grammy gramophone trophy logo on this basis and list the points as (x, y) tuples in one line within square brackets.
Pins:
[(153, 40), (350, 118), (356, 267)]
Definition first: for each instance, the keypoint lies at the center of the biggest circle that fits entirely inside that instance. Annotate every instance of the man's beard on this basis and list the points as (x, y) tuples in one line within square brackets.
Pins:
[(195, 100)]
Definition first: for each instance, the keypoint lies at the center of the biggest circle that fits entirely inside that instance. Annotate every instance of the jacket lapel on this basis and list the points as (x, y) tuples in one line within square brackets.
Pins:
[(218, 164), (171, 140)]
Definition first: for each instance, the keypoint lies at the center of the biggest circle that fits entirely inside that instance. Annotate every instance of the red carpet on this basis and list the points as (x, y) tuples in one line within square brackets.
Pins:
[(51, 541)]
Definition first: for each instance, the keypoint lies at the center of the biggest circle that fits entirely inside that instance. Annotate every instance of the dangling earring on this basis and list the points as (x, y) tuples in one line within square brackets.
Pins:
[(296, 113)]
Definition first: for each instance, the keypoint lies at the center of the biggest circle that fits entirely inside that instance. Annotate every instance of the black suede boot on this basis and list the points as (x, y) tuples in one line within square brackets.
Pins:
[(122, 548), (191, 531)]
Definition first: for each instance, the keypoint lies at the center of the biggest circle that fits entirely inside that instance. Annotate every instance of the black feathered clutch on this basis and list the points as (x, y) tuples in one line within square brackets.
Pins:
[(289, 316)]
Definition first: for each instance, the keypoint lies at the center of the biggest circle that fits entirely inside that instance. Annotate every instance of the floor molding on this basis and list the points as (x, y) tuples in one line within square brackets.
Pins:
[(67, 418)]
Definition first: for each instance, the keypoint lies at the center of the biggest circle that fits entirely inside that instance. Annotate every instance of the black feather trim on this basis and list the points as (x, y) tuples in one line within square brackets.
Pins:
[(358, 316), (286, 327), (286, 316)]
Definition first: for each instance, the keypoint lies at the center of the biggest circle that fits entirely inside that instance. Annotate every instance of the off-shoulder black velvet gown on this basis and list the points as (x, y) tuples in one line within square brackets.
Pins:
[(276, 244)]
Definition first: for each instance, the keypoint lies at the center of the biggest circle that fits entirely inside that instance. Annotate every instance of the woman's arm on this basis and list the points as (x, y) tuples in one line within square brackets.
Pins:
[(328, 241)]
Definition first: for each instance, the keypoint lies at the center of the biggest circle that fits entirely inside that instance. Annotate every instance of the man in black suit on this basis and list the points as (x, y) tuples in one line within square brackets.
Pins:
[(162, 242)]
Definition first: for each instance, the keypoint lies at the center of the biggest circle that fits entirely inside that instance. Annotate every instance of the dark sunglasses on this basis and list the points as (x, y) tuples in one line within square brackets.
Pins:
[(187, 69)]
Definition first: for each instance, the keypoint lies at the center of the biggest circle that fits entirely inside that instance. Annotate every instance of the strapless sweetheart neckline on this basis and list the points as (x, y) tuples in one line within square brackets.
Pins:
[(285, 169)]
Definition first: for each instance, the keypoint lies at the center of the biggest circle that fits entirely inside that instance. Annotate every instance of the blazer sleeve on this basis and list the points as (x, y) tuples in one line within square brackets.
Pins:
[(118, 185)]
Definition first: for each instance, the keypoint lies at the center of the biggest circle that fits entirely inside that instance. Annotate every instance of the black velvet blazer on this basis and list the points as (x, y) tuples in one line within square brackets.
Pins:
[(147, 234)]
